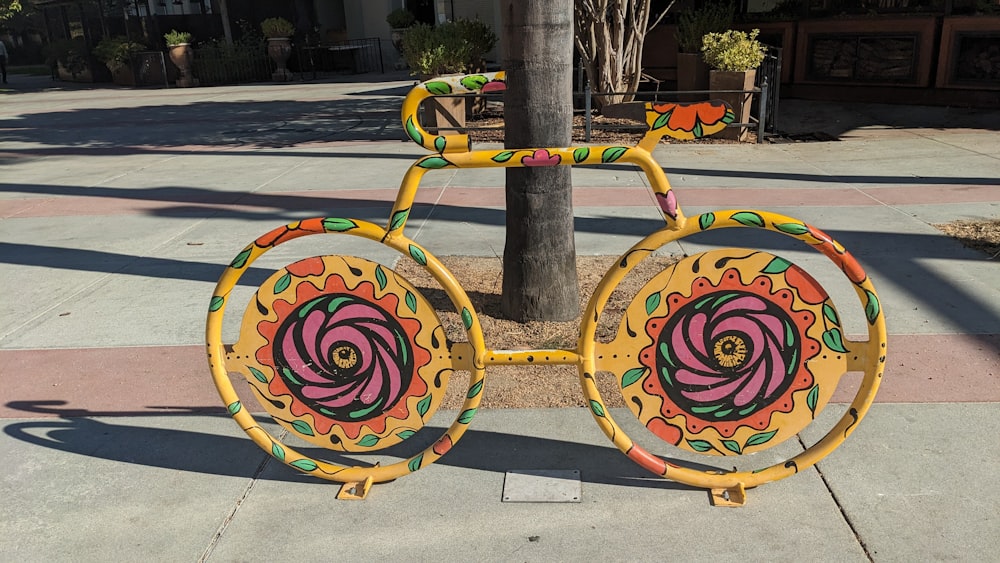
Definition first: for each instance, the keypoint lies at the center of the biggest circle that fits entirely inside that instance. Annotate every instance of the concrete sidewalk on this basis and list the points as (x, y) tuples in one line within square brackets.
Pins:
[(120, 208)]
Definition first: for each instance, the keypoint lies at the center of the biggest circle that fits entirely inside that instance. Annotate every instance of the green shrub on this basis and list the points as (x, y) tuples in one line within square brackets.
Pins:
[(693, 24), (71, 54), (457, 46), (175, 37), (277, 27), (733, 50), (400, 18), (116, 52)]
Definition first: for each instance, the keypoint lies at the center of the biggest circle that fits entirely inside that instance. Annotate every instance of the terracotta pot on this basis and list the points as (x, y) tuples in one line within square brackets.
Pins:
[(280, 49), (183, 57), (740, 102)]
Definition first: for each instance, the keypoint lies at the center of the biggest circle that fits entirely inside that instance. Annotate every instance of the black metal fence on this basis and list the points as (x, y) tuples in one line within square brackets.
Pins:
[(769, 80), (356, 56), (231, 64)]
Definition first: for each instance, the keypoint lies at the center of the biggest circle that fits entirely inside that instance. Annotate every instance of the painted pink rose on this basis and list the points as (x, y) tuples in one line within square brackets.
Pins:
[(344, 357), (727, 355)]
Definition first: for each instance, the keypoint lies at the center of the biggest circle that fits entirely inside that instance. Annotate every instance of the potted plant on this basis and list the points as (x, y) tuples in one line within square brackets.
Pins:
[(181, 54), (398, 21), (116, 54), (734, 57), (692, 25), (278, 32)]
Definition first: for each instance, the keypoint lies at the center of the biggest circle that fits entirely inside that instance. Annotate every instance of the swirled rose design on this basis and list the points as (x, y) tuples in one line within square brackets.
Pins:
[(727, 355), (344, 356)]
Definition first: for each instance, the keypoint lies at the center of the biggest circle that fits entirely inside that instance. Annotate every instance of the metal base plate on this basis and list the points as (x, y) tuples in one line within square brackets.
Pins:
[(542, 485)]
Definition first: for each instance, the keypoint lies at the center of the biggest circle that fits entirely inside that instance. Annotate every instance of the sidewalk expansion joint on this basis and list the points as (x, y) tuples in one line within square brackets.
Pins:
[(840, 507), (237, 505)]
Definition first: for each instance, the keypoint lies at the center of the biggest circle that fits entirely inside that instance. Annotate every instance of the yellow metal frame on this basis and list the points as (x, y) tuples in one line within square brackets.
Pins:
[(681, 121)]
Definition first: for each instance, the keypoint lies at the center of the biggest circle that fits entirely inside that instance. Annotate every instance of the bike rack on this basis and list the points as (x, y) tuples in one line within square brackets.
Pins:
[(727, 352)]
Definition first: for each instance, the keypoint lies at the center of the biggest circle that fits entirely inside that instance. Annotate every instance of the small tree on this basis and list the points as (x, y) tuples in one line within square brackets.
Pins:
[(609, 37)]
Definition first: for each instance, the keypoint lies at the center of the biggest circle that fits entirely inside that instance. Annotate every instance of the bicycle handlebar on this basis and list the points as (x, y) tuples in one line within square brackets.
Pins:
[(682, 121)]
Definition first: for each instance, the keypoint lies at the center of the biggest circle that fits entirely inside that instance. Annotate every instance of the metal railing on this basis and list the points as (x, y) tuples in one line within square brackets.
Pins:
[(356, 56), (149, 68), (231, 64)]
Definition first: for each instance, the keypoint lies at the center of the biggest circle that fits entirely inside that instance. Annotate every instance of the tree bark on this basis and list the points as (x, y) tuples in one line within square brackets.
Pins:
[(539, 274)]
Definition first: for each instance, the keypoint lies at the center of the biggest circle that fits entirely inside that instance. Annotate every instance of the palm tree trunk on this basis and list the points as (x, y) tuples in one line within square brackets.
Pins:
[(539, 274)]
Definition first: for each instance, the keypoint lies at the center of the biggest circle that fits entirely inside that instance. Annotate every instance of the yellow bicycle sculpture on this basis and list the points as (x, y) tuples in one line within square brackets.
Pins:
[(727, 352)]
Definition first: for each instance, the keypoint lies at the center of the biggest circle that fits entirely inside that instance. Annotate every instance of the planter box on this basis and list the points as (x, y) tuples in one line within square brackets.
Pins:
[(739, 101), (894, 51), (970, 53)]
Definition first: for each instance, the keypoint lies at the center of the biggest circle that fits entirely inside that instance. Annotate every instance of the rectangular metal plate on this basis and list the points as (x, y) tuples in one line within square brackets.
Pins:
[(542, 485)]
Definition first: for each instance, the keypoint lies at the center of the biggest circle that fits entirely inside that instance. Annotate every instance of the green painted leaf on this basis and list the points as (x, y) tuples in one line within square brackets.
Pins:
[(424, 405), (418, 255), (466, 318), (438, 88), (302, 427), (415, 463), (475, 389), (290, 376), (368, 441), (337, 302), (748, 218), (872, 308), (282, 283), (217, 302), (792, 228), (722, 413), (731, 445), (831, 314), (703, 409), (433, 162), (380, 277), (703, 302), (666, 375), (413, 132), (234, 407), (698, 131), (304, 464), (812, 399), (277, 451), (758, 439), (632, 375), (706, 220), (440, 143), (834, 340), (241, 258), (398, 219), (777, 266), (466, 416), (405, 434), (612, 154), (665, 352), (789, 334), (503, 156), (699, 445), (411, 301), (475, 82), (597, 408), (652, 302), (662, 120), (581, 154), (258, 375), (338, 225), (729, 117)]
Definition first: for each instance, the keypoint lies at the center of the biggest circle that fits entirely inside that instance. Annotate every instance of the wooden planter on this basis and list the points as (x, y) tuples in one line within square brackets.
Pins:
[(740, 102), (692, 74)]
